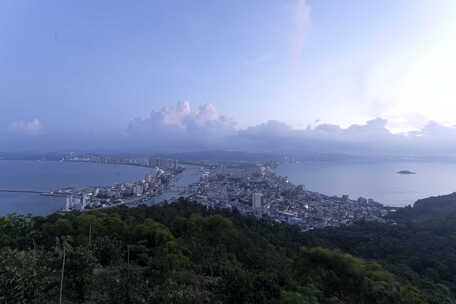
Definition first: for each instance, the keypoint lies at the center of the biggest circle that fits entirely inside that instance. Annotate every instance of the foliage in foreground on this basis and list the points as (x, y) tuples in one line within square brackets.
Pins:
[(420, 245), (183, 253)]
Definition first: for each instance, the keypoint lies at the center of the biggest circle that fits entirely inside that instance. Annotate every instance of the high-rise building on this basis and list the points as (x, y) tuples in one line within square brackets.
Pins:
[(71, 202), (149, 178), (257, 201), (67, 203), (138, 189), (83, 201)]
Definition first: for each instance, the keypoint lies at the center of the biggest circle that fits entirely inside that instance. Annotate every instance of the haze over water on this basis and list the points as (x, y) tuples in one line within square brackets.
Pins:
[(48, 175), (377, 180)]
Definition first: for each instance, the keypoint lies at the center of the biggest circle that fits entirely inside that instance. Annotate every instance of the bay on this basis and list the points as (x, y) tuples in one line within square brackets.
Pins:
[(48, 175), (377, 180)]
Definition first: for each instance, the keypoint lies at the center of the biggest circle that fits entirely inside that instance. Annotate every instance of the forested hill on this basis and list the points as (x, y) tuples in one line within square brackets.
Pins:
[(183, 253), (419, 244), (431, 208)]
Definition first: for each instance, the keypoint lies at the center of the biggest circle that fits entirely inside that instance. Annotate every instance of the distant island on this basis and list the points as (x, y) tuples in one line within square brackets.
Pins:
[(405, 172)]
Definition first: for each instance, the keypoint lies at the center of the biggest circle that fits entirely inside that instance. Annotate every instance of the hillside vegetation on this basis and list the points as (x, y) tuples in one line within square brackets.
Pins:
[(419, 243), (184, 253)]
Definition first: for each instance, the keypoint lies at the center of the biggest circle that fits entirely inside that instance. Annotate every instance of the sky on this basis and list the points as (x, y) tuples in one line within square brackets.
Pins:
[(173, 75)]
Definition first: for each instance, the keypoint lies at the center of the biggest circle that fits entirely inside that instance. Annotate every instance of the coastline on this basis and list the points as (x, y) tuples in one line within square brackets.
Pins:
[(40, 177), (378, 180)]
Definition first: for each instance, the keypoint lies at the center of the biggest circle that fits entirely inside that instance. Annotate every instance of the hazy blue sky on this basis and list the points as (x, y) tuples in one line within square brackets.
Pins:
[(80, 69)]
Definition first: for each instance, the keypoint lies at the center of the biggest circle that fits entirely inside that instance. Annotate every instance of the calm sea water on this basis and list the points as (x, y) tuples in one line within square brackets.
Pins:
[(377, 180), (47, 175)]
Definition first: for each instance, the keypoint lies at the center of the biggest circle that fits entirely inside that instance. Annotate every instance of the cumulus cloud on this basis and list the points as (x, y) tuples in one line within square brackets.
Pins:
[(373, 130), (180, 119), (269, 128), (23, 127), (180, 128)]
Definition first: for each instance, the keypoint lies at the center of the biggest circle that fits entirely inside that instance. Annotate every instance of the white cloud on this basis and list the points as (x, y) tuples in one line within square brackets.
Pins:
[(179, 128), (180, 119), (269, 128), (23, 127)]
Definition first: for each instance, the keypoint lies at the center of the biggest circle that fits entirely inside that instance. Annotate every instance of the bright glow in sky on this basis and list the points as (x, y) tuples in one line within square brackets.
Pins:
[(421, 87), (87, 68), (429, 85)]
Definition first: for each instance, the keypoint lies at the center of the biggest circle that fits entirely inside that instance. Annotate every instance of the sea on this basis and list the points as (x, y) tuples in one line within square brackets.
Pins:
[(378, 180), (49, 175)]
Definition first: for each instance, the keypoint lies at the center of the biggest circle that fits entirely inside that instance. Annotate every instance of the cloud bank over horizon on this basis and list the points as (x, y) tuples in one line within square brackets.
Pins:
[(181, 129), (178, 127)]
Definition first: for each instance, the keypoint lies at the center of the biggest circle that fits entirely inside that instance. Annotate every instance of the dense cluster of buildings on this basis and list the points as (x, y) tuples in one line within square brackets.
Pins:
[(260, 192), (252, 189), (151, 185)]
